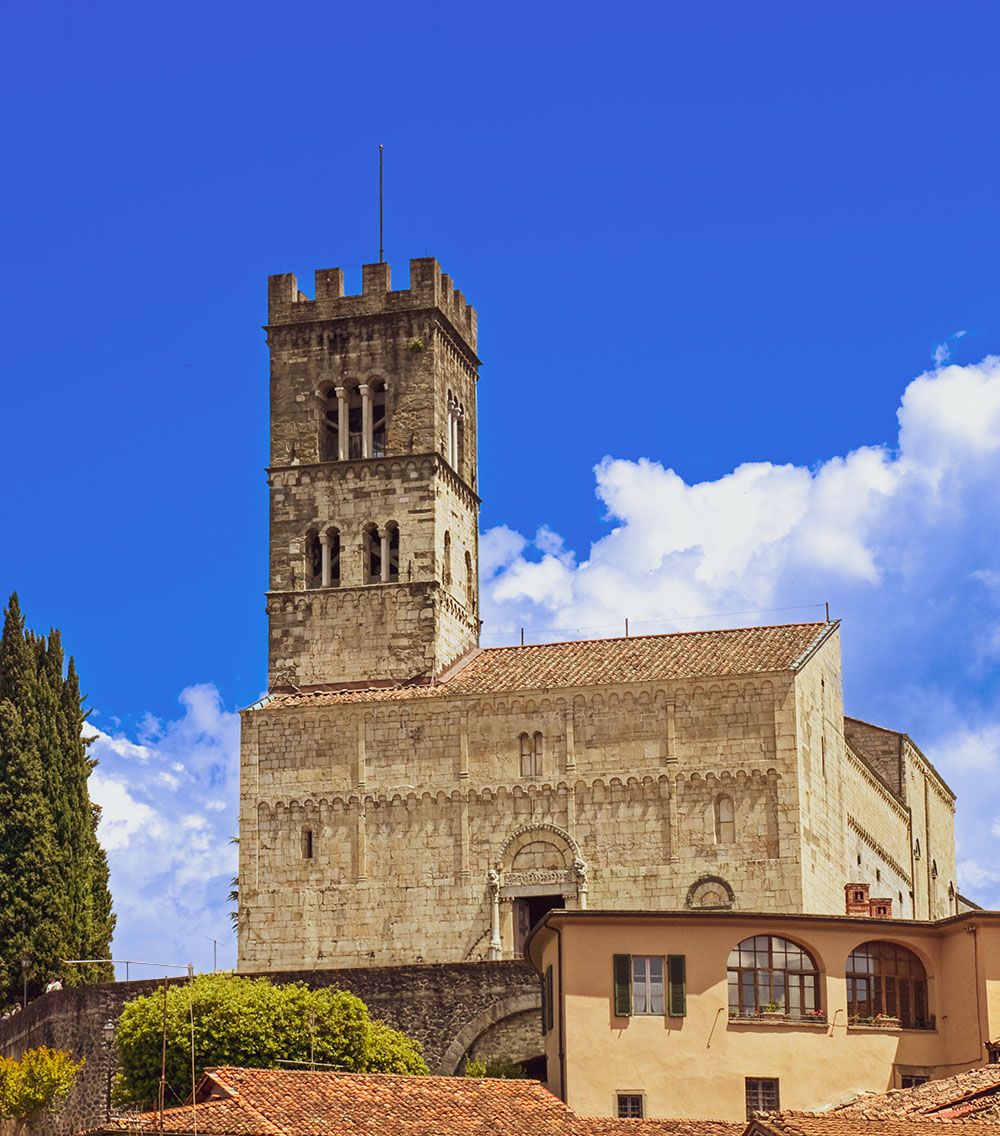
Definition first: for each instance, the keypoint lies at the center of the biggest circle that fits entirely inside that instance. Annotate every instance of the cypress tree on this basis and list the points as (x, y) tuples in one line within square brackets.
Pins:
[(54, 899)]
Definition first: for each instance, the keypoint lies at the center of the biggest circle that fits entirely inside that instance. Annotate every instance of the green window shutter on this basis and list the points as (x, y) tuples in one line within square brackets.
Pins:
[(623, 986), (676, 986), (547, 1009)]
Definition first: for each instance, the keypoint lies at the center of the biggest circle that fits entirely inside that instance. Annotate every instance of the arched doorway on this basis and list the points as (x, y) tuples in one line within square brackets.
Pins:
[(539, 868)]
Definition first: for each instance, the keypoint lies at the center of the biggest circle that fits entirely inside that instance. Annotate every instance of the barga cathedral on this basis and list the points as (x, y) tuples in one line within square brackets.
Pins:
[(409, 797)]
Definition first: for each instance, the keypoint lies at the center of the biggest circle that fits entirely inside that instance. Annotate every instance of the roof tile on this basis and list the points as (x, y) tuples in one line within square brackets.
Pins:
[(597, 662)]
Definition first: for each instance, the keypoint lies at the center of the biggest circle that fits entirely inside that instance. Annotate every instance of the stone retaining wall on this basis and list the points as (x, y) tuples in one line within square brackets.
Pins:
[(439, 1005)]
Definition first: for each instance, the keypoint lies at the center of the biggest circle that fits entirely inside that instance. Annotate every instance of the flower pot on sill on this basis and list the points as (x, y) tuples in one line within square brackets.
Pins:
[(772, 1016), (888, 1023)]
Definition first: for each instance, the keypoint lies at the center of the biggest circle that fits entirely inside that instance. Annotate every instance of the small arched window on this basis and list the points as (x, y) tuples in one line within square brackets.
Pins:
[(378, 419), (314, 560), (888, 980), (355, 422), (531, 754), (460, 438), (725, 820), (330, 558), (769, 972), (446, 561), (470, 584), (372, 545), (329, 442)]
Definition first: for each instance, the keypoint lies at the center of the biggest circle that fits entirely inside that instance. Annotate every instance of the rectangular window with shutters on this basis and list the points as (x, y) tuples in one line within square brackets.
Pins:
[(676, 986), (762, 1095), (644, 985), (548, 1002)]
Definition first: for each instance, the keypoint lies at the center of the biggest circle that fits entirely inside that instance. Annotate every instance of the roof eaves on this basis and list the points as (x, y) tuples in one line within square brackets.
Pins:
[(821, 638)]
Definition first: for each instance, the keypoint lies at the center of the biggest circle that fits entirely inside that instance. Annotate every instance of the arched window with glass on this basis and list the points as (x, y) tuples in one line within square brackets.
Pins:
[(772, 975), (885, 980)]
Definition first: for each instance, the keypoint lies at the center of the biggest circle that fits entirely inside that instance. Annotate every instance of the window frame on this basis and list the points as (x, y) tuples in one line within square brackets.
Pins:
[(885, 991), (673, 981), (759, 1086), (636, 1110), (751, 988)]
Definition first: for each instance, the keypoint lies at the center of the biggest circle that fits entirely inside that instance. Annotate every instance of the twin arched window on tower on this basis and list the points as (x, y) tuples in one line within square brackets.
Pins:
[(380, 550), (455, 450), (354, 420), (323, 558)]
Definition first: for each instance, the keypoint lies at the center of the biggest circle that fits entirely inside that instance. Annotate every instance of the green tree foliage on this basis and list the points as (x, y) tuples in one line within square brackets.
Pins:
[(39, 1082), (54, 898), (252, 1023), (498, 1067)]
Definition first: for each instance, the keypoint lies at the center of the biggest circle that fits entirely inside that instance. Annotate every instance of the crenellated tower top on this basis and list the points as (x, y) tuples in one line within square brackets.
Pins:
[(429, 288)]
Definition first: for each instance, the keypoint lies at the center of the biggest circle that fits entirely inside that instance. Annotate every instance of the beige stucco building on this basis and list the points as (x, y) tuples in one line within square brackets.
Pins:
[(688, 1014), (408, 797)]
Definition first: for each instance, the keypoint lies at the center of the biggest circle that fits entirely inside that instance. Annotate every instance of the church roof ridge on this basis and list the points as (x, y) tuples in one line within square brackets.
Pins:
[(723, 652)]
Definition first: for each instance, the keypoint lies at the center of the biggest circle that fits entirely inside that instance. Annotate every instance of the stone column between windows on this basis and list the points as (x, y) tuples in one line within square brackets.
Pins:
[(343, 425), (384, 540), (325, 541), (366, 420)]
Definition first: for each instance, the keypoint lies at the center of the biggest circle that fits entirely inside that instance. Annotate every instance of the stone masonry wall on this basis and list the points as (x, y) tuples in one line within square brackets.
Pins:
[(446, 1008), (411, 802)]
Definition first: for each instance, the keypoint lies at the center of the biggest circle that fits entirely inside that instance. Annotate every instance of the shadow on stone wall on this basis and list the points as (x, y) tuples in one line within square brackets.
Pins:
[(441, 1005)]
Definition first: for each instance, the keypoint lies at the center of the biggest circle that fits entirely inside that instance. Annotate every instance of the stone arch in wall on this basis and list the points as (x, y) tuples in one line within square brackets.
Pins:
[(505, 1022), (710, 892), (539, 868)]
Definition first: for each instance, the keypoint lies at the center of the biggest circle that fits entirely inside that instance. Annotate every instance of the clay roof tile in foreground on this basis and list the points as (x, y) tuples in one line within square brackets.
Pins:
[(597, 662), (285, 1102), (964, 1094), (606, 1126), (839, 1124)]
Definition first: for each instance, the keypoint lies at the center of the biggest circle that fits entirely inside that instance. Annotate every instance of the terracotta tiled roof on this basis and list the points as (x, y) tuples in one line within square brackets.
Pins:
[(965, 1094), (284, 1102), (839, 1124), (604, 1126), (597, 662)]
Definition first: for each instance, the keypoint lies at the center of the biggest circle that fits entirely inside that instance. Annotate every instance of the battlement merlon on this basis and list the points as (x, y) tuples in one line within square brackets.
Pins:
[(429, 288)]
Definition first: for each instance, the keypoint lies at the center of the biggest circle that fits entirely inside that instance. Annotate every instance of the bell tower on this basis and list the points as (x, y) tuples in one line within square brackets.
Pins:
[(373, 507)]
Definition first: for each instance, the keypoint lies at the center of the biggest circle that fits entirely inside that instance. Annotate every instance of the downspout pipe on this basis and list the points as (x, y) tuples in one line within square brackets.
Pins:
[(562, 1019)]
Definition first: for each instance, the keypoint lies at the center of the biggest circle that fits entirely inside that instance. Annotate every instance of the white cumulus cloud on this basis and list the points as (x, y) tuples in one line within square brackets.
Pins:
[(902, 537), (169, 808)]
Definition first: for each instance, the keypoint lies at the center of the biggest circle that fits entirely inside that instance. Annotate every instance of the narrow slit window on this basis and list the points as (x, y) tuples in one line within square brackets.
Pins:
[(307, 844), (446, 560), (725, 820)]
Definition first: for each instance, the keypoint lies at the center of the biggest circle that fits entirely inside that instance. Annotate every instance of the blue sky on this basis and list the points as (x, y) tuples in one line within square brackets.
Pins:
[(736, 274)]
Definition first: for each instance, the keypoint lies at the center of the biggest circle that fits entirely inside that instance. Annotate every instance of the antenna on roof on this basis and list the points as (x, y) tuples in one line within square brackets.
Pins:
[(380, 250), (828, 611)]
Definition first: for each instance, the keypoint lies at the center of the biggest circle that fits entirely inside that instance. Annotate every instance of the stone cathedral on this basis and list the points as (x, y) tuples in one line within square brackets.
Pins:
[(408, 797)]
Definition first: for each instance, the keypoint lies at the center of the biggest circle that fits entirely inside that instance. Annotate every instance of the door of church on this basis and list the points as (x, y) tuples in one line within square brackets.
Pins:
[(527, 911)]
